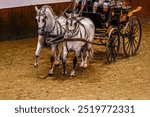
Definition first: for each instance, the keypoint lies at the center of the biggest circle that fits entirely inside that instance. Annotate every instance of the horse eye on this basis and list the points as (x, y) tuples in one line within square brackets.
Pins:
[(35, 20), (75, 23), (45, 17), (67, 23)]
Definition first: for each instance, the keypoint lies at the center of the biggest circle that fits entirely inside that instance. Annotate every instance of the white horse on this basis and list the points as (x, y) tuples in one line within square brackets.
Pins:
[(50, 27), (80, 30)]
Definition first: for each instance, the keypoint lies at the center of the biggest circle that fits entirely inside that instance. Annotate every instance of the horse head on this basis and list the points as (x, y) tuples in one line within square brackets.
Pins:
[(41, 18), (45, 19), (72, 21)]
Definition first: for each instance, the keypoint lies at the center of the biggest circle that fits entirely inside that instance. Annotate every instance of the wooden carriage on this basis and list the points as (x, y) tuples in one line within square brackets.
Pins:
[(116, 23)]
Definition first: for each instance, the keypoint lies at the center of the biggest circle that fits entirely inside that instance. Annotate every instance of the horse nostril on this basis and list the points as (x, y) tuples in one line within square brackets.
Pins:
[(35, 20)]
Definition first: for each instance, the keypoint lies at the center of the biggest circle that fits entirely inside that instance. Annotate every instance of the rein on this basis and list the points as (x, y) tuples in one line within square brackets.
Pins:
[(56, 26), (77, 29), (76, 39)]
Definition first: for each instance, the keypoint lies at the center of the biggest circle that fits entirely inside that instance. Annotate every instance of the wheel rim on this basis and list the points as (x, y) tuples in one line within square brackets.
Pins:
[(132, 37), (112, 48)]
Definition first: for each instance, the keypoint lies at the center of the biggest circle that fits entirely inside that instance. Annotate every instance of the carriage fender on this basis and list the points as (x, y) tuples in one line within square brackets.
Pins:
[(134, 11), (110, 29)]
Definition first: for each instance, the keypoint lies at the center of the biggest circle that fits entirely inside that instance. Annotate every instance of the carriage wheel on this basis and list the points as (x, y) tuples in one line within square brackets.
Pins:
[(132, 37), (112, 46)]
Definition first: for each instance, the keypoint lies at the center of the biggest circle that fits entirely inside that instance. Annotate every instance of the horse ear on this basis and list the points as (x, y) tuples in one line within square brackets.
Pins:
[(67, 14), (76, 14), (36, 9)]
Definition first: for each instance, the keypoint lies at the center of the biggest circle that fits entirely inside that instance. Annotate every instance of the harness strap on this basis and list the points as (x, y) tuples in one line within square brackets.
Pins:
[(78, 39)]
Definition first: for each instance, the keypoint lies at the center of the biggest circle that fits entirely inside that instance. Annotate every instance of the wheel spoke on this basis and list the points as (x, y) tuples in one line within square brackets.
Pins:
[(127, 45), (111, 55), (116, 40), (115, 52), (128, 48), (136, 41), (134, 45), (127, 42), (136, 28), (136, 31)]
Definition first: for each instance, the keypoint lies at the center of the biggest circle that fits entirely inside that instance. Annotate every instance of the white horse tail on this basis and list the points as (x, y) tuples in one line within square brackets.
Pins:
[(91, 53)]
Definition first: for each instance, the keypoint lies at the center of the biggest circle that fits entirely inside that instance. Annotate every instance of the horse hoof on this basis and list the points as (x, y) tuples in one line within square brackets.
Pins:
[(57, 64), (51, 72), (72, 73), (85, 65), (81, 65), (36, 65), (64, 73)]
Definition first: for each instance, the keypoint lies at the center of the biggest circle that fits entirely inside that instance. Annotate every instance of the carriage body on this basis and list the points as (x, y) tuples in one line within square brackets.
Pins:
[(116, 25)]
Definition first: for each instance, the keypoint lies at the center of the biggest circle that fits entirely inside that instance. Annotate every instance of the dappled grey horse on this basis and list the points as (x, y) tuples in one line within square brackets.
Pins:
[(79, 31), (50, 27)]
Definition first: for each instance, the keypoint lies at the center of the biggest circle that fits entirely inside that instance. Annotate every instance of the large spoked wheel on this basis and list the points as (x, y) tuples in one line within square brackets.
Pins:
[(112, 46), (132, 37)]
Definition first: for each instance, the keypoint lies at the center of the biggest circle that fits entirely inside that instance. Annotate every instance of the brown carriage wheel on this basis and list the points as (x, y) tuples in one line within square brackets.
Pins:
[(132, 36), (112, 46)]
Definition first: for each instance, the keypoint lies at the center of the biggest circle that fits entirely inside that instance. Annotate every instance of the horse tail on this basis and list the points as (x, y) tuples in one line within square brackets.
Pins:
[(91, 52)]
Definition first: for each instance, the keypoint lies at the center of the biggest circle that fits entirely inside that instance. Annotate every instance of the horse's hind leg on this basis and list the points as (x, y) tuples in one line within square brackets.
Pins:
[(85, 60), (89, 53), (82, 59)]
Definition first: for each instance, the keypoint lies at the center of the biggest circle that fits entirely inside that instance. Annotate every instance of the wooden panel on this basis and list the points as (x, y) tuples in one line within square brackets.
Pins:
[(144, 14), (16, 23)]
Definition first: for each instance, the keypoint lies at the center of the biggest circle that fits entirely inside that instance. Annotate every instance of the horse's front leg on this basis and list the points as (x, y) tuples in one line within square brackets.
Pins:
[(64, 53), (82, 59), (52, 59), (58, 55), (40, 45), (74, 63)]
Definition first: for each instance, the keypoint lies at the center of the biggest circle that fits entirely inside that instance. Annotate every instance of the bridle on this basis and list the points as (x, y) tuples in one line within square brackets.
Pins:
[(41, 30), (73, 32), (76, 29)]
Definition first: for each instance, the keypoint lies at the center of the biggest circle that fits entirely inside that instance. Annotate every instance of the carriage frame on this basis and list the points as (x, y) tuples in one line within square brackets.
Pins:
[(117, 25)]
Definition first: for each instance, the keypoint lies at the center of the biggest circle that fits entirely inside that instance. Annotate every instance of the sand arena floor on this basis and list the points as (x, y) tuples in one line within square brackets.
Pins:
[(128, 78)]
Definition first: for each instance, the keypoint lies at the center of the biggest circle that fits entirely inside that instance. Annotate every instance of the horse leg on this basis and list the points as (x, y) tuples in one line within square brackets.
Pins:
[(82, 59), (58, 55), (65, 53), (85, 60), (89, 53), (74, 63), (40, 45), (52, 59)]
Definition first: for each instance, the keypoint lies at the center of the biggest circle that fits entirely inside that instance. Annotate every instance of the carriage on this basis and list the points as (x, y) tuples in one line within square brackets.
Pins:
[(108, 27), (114, 26)]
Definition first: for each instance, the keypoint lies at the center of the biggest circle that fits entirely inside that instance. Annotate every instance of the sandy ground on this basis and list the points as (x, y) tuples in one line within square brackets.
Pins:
[(128, 78)]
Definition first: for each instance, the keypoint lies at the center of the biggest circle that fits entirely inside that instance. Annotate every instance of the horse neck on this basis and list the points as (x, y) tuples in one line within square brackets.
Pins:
[(50, 20)]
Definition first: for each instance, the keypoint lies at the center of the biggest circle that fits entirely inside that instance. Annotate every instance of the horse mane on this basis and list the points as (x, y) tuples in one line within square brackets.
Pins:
[(47, 6)]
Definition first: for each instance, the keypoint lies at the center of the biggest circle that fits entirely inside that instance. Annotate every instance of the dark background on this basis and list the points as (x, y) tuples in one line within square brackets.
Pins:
[(17, 23)]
